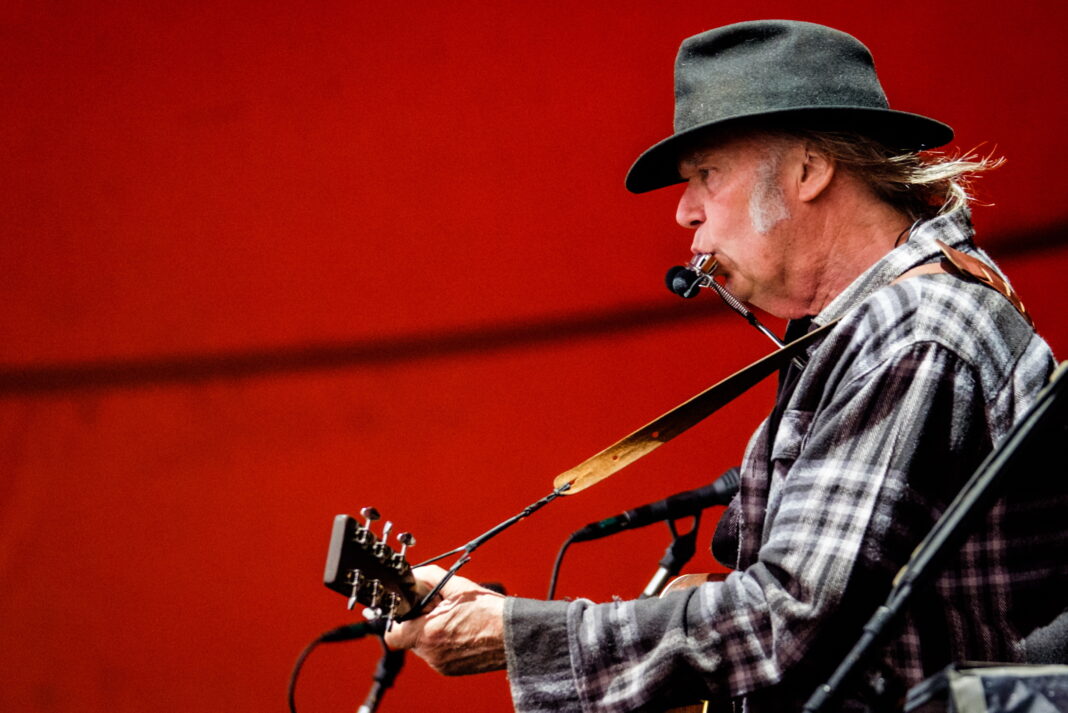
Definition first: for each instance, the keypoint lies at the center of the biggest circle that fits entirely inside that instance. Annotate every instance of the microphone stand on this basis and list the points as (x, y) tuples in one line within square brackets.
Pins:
[(677, 554), (385, 674)]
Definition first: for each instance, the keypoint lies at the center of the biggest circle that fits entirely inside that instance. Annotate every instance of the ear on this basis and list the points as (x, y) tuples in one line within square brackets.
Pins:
[(817, 171)]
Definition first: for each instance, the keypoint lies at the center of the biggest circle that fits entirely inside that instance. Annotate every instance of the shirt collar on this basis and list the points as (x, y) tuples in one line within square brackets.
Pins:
[(954, 229)]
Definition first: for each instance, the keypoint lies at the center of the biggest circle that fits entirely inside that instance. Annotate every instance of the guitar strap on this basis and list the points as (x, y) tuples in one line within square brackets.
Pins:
[(955, 262), (681, 418)]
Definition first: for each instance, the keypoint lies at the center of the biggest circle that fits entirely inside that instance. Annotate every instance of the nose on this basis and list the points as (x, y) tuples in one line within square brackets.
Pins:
[(690, 212)]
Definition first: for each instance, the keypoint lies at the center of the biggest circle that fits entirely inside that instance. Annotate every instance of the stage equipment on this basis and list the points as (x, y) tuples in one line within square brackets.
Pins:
[(673, 507), (689, 503)]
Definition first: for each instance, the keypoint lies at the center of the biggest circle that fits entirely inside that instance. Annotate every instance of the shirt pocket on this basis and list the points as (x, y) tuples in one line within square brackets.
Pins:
[(791, 436)]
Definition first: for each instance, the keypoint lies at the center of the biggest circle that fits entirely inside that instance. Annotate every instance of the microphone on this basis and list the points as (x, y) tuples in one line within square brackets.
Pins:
[(689, 502)]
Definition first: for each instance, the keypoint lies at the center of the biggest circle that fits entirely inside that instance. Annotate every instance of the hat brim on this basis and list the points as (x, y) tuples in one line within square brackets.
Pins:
[(657, 167)]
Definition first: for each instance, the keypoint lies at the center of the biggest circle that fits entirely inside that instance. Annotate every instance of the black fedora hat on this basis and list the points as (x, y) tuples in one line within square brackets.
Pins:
[(778, 73)]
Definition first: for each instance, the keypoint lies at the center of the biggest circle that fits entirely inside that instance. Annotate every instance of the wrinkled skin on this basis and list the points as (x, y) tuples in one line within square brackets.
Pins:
[(464, 631)]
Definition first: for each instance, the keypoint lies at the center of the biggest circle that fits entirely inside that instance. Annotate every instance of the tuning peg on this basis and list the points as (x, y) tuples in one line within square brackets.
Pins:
[(397, 561), (355, 578), (392, 600), (406, 539), (380, 549), (363, 533), (370, 514)]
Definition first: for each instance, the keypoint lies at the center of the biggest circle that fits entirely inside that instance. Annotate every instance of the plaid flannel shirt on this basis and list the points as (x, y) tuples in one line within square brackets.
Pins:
[(897, 407)]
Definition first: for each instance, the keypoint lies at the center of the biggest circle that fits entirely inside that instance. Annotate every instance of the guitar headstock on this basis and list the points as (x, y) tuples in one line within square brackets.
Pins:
[(367, 570)]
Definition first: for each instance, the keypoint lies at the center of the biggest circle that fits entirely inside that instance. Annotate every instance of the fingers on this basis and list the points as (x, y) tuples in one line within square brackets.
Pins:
[(464, 634), (427, 577), (404, 635), (430, 573), (461, 633)]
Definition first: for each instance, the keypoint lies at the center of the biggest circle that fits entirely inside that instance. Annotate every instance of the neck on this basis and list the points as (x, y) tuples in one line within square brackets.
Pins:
[(844, 242)]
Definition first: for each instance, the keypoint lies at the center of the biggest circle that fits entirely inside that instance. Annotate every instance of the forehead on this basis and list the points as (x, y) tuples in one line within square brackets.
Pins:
[(724, 150), (740, 147)]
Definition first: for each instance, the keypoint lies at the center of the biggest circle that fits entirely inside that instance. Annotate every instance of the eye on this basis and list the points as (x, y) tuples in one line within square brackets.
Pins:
[(707, 176), (700, 172)]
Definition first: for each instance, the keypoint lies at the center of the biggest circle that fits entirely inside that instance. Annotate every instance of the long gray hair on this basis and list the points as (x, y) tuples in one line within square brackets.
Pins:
[(921, 185)]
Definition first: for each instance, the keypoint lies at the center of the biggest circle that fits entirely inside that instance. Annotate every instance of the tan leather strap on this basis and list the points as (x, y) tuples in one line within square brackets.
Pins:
[(956, 262), (928, 269), (681, 418), (976, 268)]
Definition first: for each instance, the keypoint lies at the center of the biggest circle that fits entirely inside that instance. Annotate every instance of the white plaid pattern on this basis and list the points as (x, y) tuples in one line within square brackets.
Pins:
[(895, 410)]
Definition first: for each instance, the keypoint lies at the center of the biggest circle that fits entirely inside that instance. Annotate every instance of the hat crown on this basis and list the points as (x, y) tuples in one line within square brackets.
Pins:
[(782, 73), (768, 66)]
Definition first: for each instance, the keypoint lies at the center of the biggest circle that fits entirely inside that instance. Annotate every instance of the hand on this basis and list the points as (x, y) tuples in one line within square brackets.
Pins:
[(462, 634)]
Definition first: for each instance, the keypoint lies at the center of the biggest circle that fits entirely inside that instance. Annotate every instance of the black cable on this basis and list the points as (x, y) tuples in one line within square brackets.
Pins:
[(347, 632), (292, 688), (478, 542), (556, 565), (383, 676)]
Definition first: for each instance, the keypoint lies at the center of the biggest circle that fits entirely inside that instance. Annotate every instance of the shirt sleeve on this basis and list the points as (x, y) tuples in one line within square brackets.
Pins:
[(843, 471)]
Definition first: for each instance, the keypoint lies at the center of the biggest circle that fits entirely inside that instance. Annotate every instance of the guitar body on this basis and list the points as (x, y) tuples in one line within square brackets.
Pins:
[(686, 581)]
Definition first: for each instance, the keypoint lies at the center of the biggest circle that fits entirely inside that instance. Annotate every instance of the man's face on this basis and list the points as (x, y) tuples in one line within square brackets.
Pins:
[(735, 202)]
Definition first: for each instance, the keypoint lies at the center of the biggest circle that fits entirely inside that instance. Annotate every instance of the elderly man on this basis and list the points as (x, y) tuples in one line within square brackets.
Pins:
[(814, 199)]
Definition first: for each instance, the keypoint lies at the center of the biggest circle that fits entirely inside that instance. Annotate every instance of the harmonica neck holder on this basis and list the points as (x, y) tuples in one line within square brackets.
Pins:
[(687, 280)]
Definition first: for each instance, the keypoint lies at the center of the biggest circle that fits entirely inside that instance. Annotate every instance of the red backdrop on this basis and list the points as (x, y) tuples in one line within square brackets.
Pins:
[(270, 262)]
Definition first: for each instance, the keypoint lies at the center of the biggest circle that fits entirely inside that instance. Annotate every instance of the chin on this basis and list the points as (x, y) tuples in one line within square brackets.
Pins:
[(775, 309), (741, 291)]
